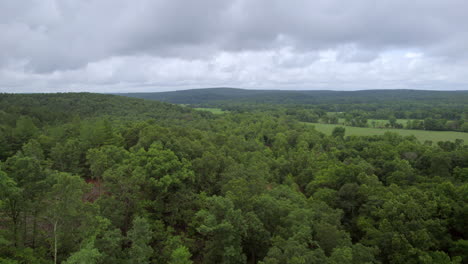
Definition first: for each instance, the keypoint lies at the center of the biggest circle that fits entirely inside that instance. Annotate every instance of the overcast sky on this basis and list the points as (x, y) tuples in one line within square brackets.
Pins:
[(161, 45)]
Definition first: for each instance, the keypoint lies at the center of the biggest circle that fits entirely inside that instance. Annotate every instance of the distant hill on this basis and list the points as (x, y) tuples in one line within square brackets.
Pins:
[(215, 96), (63, 107), (207, 95)]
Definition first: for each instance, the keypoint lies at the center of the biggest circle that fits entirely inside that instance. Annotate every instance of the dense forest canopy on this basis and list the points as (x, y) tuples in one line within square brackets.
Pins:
[(428, 110), (367, 100), (92, 178)]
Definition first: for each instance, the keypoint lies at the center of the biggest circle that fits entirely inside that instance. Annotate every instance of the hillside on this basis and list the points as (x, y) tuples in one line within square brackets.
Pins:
[(63, 107), (233, 95)]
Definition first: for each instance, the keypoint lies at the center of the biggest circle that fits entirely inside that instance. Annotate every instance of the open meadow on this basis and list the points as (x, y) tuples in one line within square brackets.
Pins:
[(421, 135), (216, 111)]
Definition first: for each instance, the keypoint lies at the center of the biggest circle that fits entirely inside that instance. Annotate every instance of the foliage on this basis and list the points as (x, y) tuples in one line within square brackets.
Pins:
[(88, 178)]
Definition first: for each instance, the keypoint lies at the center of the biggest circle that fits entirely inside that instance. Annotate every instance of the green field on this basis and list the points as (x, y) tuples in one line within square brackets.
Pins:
[(422, 135), (216, 111)]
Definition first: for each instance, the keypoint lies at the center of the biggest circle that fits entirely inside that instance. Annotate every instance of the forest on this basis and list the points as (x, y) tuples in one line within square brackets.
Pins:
[(421, 110), (100, 178)]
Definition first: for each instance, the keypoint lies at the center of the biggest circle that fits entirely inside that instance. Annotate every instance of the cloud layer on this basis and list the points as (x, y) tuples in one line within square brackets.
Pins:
[(155, 45)]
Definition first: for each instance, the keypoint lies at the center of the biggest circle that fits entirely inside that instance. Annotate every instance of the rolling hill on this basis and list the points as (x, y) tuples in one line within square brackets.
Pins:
[(216, 96)]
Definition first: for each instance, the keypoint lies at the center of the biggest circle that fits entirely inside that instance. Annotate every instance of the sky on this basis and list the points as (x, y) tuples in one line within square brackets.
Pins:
[(164, 45)]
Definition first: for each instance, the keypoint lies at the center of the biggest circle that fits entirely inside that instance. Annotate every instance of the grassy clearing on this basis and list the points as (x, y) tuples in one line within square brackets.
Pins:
[(216, 111), (421, 135)]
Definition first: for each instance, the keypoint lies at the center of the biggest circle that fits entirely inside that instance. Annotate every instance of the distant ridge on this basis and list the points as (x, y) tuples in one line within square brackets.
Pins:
[(237, 95)]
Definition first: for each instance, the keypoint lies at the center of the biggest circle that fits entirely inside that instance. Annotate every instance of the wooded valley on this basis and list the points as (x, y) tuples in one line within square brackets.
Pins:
[(95, 178)]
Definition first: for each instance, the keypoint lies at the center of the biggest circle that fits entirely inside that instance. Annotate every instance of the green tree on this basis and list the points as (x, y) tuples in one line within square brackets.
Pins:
[(181, 255), (25, 130), (393, 122), (29, 177), (87, 254), (65, 207), (67, 156), (140, 237), (339, 132), (8, 194), (33, 149), (104, 158), (223, 227)]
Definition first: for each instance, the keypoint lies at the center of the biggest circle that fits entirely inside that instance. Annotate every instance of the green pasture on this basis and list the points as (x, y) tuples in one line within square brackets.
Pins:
[(421, 135), (216, 111)]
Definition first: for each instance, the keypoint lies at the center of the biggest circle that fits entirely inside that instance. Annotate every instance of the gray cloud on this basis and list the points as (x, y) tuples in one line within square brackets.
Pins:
[(152, 44)]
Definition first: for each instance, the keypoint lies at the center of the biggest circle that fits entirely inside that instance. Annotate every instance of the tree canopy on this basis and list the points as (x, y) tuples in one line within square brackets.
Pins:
[(90, 178)]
